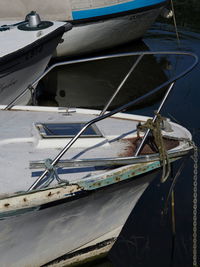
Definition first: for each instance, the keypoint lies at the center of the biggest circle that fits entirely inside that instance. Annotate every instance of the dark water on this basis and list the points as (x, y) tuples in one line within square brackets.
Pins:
[(147, 238)]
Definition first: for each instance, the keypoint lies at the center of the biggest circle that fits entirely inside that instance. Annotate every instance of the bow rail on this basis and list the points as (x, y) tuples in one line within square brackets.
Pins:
[(104, 113)]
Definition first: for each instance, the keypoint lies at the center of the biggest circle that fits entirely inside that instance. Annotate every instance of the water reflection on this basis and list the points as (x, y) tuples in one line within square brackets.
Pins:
[(187, 14), (92, 84), (146, 239)]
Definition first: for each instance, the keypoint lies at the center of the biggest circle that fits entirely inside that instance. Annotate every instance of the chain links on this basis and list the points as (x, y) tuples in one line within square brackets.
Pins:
[(194, 217)]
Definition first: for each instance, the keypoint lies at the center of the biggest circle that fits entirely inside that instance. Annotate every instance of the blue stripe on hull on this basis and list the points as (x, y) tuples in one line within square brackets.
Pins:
[(134, 4)]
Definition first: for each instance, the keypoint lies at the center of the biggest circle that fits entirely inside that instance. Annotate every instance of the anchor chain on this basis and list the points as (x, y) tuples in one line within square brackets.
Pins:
[(195, 207)]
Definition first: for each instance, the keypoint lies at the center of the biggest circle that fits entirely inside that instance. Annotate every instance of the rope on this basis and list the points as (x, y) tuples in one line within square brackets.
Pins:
[(155, 128), (194, 207), (175, 24), (178, 173), (52, 174)]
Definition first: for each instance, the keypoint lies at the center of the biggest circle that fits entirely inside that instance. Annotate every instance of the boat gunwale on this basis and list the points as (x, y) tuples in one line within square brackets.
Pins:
[(135, 11), (23, 202), (7, 58), (75, 189)]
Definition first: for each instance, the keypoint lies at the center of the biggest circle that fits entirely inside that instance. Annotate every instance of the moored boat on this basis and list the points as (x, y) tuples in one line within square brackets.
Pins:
[(91, 200), (96, 24), (100, 166), (26, 48)]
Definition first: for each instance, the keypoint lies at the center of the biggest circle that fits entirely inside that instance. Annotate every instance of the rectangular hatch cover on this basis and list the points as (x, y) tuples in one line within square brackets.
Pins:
[(65, 130)]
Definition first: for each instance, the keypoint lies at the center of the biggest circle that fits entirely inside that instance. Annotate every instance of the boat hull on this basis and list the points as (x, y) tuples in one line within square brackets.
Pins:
[(106, 33), (37, 237), (97, 25), (21, 68)]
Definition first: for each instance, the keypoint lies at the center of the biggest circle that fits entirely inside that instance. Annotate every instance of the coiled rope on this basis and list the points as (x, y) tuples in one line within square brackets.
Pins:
[(155, 128)]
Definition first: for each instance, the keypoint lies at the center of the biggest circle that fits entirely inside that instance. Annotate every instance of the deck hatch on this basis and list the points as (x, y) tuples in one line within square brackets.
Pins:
[(63, 130)]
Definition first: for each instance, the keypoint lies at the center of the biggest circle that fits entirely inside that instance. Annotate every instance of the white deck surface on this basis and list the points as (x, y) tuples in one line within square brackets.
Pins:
[(20, 143), (14, 39)]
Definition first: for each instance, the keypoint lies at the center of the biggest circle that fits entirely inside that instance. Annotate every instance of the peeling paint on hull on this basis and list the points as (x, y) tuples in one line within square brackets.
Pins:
[(35, 200), (39, 236)]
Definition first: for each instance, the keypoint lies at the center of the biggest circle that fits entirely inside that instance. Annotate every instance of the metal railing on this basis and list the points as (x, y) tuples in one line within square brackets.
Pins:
[(90, 59), (103, 113)]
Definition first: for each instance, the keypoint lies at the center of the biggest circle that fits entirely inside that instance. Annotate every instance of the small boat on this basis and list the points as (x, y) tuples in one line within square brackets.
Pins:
[(70, 177), (26, 48), (96, 24)]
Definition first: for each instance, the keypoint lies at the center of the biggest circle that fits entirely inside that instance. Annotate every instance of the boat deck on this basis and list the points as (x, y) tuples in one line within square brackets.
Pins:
[(9, 47), (24, 143)]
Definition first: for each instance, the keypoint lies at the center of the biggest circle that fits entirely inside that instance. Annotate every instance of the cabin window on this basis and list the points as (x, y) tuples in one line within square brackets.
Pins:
[(63, 130)]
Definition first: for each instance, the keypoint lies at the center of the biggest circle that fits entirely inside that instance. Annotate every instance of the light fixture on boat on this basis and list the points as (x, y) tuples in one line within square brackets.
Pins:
[(33, 19), (34, 23)]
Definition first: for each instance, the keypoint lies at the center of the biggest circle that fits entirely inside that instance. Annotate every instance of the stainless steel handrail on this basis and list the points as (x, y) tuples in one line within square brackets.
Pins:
[(121, 84), (84, 60), (154, 119), (122, 108), (116, 161)]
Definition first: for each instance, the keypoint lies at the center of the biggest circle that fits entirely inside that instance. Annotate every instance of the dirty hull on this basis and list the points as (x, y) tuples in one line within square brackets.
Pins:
[(103, 34), (37, 237)]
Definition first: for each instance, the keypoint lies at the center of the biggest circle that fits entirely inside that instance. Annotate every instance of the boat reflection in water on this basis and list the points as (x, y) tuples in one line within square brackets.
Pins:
[(91, 84)]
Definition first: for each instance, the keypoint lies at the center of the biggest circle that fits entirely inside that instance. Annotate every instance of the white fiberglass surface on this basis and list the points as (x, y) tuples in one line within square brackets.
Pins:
[(21, 142), (15, 39)]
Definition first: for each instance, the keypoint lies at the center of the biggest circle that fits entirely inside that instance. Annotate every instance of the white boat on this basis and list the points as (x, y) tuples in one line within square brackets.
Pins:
[(70, 177), (96, 24), (26, 48)]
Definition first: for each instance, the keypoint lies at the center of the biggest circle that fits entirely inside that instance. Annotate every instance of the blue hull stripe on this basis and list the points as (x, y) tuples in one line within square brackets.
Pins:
[(134, 4)]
